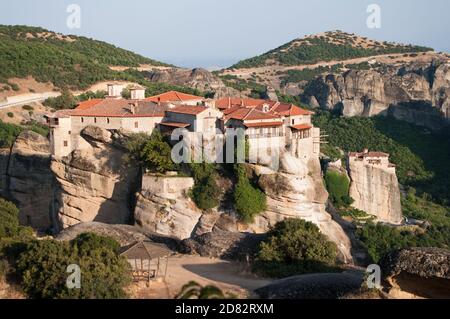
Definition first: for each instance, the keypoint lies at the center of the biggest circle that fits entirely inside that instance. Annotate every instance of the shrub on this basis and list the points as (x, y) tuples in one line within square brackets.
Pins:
[(338, 187), (10, 114), (28, 107), (293, 247), (156, 154), (8, 133), (249, 200), (104, 274), (9, 221), (205, 192), (65, 101)]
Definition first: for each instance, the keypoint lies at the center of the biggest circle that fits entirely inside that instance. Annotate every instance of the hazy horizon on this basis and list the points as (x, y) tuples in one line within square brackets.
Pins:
[(209, 34)]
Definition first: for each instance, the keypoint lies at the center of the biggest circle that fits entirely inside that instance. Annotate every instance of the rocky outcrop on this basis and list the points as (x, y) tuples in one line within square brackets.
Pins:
[(197, 78), (297, 191), (376, 91), (417, 273), (224, 244), (26, 179), (374, 188), (313, 286), (94, 183), (124, 234), (163, 206)]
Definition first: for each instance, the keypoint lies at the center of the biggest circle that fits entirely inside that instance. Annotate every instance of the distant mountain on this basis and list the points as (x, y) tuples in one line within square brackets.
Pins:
[(64, 60), (328, 46)]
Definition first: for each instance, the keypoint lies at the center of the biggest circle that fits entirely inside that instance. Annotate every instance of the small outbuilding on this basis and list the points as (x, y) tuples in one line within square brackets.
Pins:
[(148, 260)]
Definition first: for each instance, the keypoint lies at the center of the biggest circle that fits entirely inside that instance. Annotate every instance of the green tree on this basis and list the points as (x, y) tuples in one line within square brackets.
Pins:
[(9, 221), (104, 274), (338, 186), (293, 247), (156, 154), (205, 192), (249, 200)]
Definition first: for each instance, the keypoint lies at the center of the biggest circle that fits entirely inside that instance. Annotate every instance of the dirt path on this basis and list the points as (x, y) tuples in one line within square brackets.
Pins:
[(231, 277)]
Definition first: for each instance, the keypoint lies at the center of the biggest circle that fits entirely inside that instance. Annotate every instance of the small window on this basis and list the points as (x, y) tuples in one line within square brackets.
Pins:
[(95, 120), (82, 120), (136, 125), (66, 143), (70, 132), (107, 120), (293, 121)]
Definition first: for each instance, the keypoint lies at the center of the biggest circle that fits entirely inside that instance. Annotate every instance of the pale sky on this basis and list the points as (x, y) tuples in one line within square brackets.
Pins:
[(211, 33)]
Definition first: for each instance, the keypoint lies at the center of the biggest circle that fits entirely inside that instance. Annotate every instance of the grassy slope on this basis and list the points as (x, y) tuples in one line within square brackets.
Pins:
[(73, 64)]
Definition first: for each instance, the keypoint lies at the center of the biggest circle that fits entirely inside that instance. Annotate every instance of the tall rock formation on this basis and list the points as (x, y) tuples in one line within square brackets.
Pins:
[(164, 207), (418, 93), (94, 184), (297, 191), (26, 179), (374, 186)]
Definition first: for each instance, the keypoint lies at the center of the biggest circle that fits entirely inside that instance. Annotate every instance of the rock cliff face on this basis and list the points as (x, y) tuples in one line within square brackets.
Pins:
[(94, 184), (197, 78), (297, 191), (376, 191), (163, 206), (26, 179), (415, 89)]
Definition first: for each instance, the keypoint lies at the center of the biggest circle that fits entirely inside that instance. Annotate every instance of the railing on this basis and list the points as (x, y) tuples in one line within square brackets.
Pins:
[(265, 135)]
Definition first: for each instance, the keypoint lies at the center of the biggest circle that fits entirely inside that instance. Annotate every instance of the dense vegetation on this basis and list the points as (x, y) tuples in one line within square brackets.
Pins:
[(156, 154), (66, 61), (294, 76), (418, 153), (9, 132), (249, 200), (40, 266), (336, 46), (294, 247), (434, 232), (338, 186), (205, 192), (420, 156)]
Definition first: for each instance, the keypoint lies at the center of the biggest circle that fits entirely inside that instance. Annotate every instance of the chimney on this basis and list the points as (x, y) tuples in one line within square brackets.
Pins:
[(159, 100), (366, 151), (133, 108)]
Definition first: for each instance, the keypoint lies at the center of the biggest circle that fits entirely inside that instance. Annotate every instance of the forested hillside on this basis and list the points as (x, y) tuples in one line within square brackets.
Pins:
[(335, 45), (66, 61)]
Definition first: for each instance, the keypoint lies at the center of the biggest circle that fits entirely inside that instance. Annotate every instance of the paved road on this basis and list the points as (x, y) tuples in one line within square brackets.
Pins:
[(27, 98)]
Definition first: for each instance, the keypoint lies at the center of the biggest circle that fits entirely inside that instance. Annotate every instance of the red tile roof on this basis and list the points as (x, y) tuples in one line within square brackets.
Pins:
[(173, 96), (301, 127), (247, 114), (264, 124), (88, 104), (285, 109), (122, 108), (188, 109)]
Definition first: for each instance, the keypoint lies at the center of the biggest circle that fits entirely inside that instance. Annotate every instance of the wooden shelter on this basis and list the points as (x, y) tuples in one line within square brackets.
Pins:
[(148, 260)]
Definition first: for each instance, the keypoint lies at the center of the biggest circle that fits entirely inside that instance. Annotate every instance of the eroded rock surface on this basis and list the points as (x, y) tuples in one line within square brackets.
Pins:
[(94, 183), (417, 273), (417, 93), (26, 179)]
